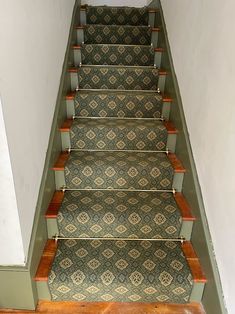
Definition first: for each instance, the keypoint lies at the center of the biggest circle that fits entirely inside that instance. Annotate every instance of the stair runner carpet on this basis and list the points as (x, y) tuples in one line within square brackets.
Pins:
[(114, 172)]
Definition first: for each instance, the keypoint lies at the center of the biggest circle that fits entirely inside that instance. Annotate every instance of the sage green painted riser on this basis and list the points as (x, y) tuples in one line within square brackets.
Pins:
[(151, 21), (177, 180), (75, 84), (44, 292), (80, 37), (52, 228), (78, 58)]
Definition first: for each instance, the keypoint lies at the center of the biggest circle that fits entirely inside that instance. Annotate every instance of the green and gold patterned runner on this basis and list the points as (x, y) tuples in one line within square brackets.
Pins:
[(117, 55), (115, 77), (106, 134), (116, 34), (118, 170), (118, 104), (125, 271), (114, 173), (117, 15), (142, 215)]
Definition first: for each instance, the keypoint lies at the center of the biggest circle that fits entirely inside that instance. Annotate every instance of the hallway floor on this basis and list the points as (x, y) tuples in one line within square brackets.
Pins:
[(47, 307)]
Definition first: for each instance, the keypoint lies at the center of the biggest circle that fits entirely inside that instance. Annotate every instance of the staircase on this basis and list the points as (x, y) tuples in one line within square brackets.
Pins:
[(119, 226)]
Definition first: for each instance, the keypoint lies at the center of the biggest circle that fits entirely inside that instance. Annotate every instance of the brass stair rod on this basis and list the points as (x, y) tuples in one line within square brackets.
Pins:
[(181, 239)]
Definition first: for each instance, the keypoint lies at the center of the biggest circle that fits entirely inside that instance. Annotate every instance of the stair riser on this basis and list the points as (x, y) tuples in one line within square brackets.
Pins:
[(78, 58), (66, 142), (70, 104), (44, 292), (151, 20), (81, 38), (74, 82), (177, 180), (52, 228)]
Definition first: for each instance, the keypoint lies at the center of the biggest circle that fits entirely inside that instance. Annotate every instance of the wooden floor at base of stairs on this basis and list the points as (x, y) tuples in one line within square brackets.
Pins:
[(46, 307)]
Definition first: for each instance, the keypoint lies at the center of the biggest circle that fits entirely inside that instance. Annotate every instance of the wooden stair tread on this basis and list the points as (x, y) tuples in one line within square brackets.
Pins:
[(193, 262), (158, 49), (170, 127), (184, 207), (176, 163), (46, 261), (66, 126), (60, 163), (54, 206)]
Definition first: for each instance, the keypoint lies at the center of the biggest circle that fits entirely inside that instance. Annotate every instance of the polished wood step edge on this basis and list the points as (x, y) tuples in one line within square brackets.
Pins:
[(193, 262), (71, 96), (46, 261), (66, 126), (185, 209), (176, 163), (60, 163), (54, 206)]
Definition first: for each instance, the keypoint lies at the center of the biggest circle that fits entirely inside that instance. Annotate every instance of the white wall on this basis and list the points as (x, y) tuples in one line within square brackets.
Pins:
[(201, 35), (33, 37), (131, 3), (10, 238)]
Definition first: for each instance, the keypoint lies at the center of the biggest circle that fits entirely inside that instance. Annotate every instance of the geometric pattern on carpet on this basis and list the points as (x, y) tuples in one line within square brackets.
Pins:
[(118, 170), (125, 271), (116, 34), (117, 55), (106, 134), (115, 77), (118, 104), (113, 193), (117, 15), (134, 214)]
